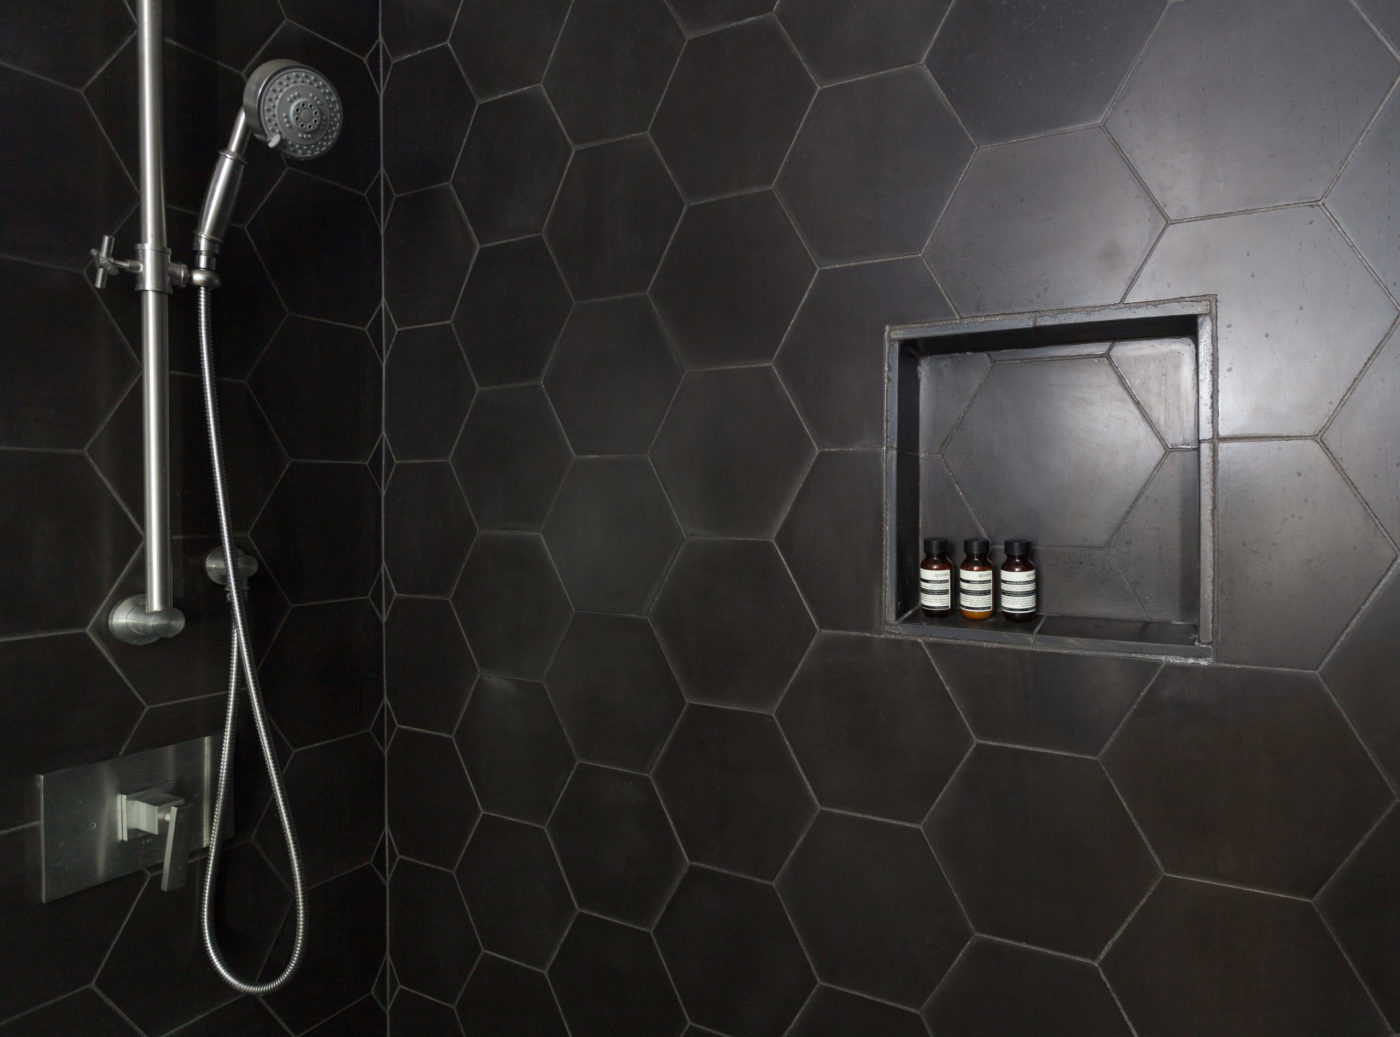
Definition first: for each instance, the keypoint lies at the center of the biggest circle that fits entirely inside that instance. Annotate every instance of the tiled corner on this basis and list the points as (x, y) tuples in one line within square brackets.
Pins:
[(427, 390), (431, 805), (426, 223), (431, 939), (427, 528), (428, 670)]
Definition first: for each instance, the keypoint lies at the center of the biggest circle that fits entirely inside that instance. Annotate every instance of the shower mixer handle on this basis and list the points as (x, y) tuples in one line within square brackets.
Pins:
[(162, 272), (169, 818)]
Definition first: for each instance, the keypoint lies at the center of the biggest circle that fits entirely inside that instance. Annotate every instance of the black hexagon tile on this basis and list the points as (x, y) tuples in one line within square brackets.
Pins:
[(511, 604), (430, 935), (411, 27), (501, 51), (1365, 440), (427, 528), (427, 390), (839, 41), (428, 671), (832, 1013), (1367, 187), (1364, 673), (510, 313), (431, 108), (426, 223), (511, 457), (431, 805), (503, 995), (700, 15), (609, 980), (90, 35), (1157, 549)]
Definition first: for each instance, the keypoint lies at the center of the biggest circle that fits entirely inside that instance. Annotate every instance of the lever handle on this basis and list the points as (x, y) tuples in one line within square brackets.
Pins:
[(170, 819)]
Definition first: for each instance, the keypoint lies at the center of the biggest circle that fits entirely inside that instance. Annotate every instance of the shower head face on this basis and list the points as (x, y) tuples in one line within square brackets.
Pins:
[(292, 107)]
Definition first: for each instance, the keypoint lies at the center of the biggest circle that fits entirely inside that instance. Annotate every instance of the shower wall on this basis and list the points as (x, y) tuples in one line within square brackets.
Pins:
[(653, 767), (298, 343)]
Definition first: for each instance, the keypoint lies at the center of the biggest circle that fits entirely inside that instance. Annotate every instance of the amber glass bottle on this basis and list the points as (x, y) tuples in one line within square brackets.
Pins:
[(1018, 582), (936, 578), (975, 580)]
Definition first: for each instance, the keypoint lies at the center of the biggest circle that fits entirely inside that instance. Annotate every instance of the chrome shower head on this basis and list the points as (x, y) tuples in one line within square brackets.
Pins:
[(293, 108)]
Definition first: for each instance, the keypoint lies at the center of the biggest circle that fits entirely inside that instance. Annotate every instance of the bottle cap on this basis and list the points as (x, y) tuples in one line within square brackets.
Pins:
[(935, 545), (976, 546), (928, 545), (1017, 548)]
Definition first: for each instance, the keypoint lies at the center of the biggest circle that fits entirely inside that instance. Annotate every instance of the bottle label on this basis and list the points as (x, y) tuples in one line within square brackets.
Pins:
[(936, 588), (975, 590), (1018, 592)]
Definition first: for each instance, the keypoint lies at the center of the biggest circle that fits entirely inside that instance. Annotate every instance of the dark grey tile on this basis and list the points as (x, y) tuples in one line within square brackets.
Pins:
[(1385, 17), (508, 999), (511, 604), (613, 217), (429, 107), (872, 908), (363, 1016), (1242, 105), (413, 25), (511, 311), (946, 386), (1161, 374), (514, 748), (942, 507), (426, 223), (82, 1012), (840, 41), (1053, 222), (1363, 672), (428, 671), (733, 791), (1365, 439), (732, 623), (1279, 600), (431, 940), (872, 726), (1040, 849), (1272, 378), (511, 457), (834, 1013), (613, 376), (352, 26), (427, 390), (1157, 549), (511, 165), (229, 31), (733, 956), (1224, 768), (609, 980), (1087, 583), (1208, 960), (427, 528), (731, 452), (873, 166), (732, 110), (833, 359), (412, 1013), (1367, 188), (514, 891), (501, 51), (431, 805), (611, 65), (68, 44), (732, 280), (699, 15)]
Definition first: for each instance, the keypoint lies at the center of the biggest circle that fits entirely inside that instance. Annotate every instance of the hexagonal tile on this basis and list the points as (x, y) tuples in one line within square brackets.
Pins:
[(872, 726), (610, 980), (616, 845), (426, 223), (501, 51), (428, 671), (1265, 756), (511, 165), (511, 457), (1241, 105), (733, 791), (841, 42), (611, 533), (431, 805), (1043, 413), (833, 359), (613, 376), (873, 908), (614, 690), (502, 995), (514, 891), (1362, 672), (873, 166), (511, 604), (1157, 548), (1365, 440), (613, 217), (832, 1012), (430, 936), (1286, 281), (417, 24), (732, 109), (511, 311), (999, 988), (1040, 224), (611, 66), (731, 281), (322, 675), (1205, 959), (731, 452), (1040, 849), (413, 1013), (432, 108), (1161, 373), (89, 35), (699, 15), (732, 954), (732, 622), (1278, 600), (514, 748), (352, 28), (427, 528), (1367, 189), (228, 30), (82, 1012), (427, 390)]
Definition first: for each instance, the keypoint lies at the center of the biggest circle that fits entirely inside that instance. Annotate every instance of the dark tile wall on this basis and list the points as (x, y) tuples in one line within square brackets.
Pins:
[(642, 710), (297, 340)]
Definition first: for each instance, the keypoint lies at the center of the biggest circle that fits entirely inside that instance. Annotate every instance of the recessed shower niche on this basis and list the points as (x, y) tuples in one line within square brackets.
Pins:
[(1090, 433)]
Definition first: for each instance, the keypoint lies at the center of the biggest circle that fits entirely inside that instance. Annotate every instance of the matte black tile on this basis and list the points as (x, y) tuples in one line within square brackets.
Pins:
[(362, 1017), (178, 722), (1367, 187), (833, 359), (426, 223), (1087, 583), (873, 908), (834, 1013), (732, 622), (732, 280), (511, 457), (611, 65), (1053, 222), (514, 891), (353, 26), (413, 25), (230, 31), (614, 690), (511, 604), (1157, 549), (82, 1012), (427, 528), (431, 938), (411, 1013), (1286, 281), (1161, 374), (1362, 673), (429, 107), (613, 217), (999, 988), (832, 539), (514, 748), (732, 109), (616, 846), (1364, 439), (872, 726), (609, 980), (946, 386), (733, 791), (613, 376), (1225, 769), (611, 533), (67, 43), (511, 311), (511, 165), (501, 51), (508, 999), (427, 390), (1243, 105), (1279, 601), (431, 804), (731, 452), (840, 42), (732, 955), (873, 166), (246, 1017), (428, 671), (1208, 960), (1361, 906)]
